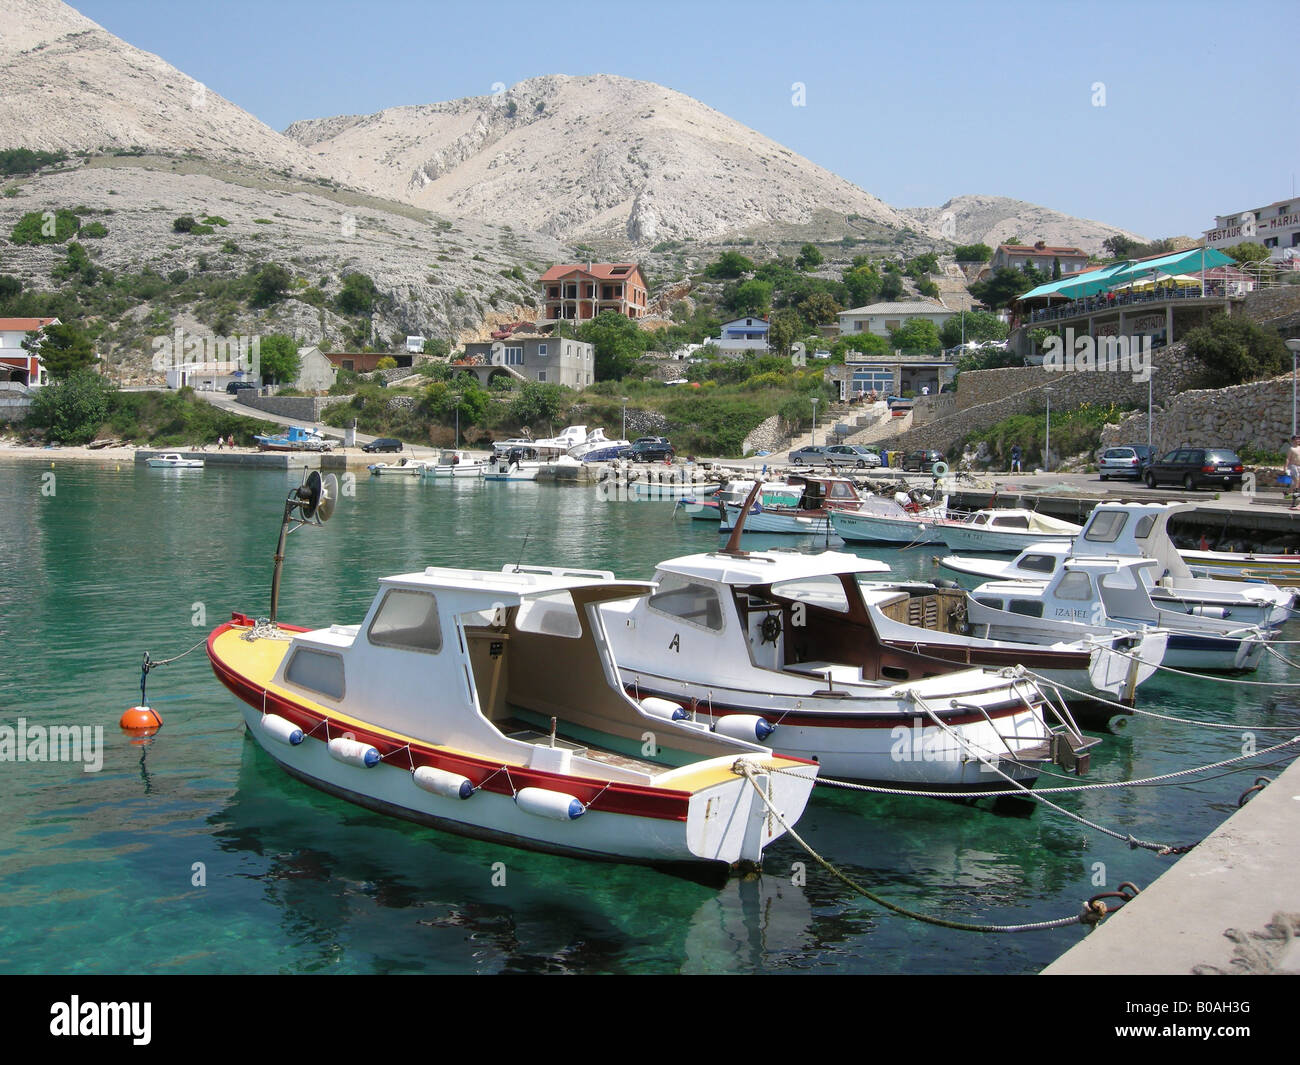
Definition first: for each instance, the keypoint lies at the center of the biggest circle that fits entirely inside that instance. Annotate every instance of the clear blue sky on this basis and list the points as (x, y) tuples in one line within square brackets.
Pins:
[(915, 102)]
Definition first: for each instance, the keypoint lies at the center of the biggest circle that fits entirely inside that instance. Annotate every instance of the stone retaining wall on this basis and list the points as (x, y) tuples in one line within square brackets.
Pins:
[(300, 408), (14, 408)]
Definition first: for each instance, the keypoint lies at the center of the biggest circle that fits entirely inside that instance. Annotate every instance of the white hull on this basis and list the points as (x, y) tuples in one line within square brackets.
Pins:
[(768, 521), (476, 469), (855, 527), (962, 537), (515, 473)]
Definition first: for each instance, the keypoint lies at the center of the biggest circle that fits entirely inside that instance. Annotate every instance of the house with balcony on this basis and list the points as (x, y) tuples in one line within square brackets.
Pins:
[(883, 318), (16, 362), (546, 359), (742, 337), (1040, 256), (576, 292)]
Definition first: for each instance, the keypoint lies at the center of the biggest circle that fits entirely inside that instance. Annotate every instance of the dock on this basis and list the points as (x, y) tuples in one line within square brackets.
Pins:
[(1230, 906)]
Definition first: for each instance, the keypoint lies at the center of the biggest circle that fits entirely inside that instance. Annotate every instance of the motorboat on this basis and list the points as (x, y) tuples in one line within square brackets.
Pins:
[(621, 481), (1140, 530), (403, 467), (174, 461), (517, 464), (819, 497), (455, 463), (1281, 571), (1007, 529), (903, 518), (786, 636), (488, 704), (597, 447), (1095, 596), (295, 438), (706, 506)]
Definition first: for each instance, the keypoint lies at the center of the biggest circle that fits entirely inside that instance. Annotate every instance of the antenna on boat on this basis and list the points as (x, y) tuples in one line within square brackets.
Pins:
[(733, 541), (314, 500), (520, 560)]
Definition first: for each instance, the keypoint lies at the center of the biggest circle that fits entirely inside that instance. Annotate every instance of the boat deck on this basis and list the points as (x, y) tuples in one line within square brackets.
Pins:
[(526, 732)]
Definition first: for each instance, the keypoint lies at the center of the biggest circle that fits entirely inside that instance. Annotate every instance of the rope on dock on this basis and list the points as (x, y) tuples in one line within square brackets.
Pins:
[(1151, 713), (1092, 912)]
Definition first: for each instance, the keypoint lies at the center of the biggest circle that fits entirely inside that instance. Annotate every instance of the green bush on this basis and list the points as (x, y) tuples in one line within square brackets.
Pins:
[(45, 227)]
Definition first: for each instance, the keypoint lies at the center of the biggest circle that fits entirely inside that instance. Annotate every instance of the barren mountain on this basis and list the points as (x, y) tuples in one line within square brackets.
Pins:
[(585, 158), (70, 84), (993, 220)]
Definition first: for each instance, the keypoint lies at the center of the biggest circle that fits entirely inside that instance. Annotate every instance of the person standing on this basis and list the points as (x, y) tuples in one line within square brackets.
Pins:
[(1015, 458), (1293, 469)]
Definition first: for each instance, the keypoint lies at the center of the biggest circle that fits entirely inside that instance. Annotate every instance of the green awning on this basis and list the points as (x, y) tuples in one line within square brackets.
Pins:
[(1119, 274)]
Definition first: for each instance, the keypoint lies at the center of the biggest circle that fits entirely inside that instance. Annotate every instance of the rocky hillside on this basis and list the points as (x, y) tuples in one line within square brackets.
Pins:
[(585, 158), (993, 220), (71, 85)]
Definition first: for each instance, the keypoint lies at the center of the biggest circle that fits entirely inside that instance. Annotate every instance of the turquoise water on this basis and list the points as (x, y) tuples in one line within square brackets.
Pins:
[(100, 872)]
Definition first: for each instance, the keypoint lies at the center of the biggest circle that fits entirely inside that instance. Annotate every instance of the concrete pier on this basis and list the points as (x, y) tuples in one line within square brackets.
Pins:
[(1230, 906), (327, 461)]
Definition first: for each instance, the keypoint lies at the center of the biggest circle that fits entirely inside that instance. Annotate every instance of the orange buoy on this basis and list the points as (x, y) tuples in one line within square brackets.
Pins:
[(140, 719)]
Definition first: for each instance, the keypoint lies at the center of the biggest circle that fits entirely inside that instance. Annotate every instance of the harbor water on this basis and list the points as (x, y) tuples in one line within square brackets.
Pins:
[(194, 853)]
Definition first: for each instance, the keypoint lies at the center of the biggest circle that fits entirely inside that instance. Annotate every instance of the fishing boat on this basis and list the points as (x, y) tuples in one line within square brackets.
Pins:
[(621, 481), (1140, 530), (784, 638), (904, 518), (1281, 571), (454, 463), (819, 497), (174, 461), (487, 704), (403, 467), (706, 506), (1095, 596), (296, 438), (1009, 529)]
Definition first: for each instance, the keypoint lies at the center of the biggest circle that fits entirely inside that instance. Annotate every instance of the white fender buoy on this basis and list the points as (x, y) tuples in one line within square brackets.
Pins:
[(665, 708), (354, 752), (553, 804), (744, 727), (281, 729), (441, 782)]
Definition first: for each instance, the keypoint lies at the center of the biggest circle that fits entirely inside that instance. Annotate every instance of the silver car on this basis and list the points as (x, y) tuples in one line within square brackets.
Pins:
[(1128, 461), (852, 455)]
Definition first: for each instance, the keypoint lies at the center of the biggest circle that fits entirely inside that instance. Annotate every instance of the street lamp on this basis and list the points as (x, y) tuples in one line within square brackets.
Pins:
[(1047, 444), (1151, 373), (623, 434), (456, 399), (1293, 346), (814, 429)]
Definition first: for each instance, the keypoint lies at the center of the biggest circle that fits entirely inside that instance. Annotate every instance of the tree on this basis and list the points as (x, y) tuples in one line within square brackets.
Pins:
[(1005, 286), (65, 349), (278, 357), (891, 286), (748, 297), (536, 403), (810, 257), (437, 347), (1248, 252), (977, 325), (618, 343), (358, 294), (863, 284), (440, 400), (1120, 246), (783, 328), (819, 308), (729, 265), (861, 343), (1056, 269), (1234, 351), (72, 410), (973, 253), (916, 336), (386, 363), (270, 284)]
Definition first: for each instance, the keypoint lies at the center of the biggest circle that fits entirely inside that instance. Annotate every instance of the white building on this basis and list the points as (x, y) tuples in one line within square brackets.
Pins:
[(742, 336), (16, 362), (882, 318), (1276, 226)]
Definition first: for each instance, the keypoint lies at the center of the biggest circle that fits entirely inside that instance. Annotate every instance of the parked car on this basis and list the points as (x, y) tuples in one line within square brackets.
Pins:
[(852, 455), (922, 461), (383, 443), (809, 456), (238, 386), (1194, 467), (649, 449), (1127, 461)]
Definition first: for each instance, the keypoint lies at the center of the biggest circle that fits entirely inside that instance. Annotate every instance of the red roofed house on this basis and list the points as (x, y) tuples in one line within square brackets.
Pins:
[(1041, 255), (16, 362), (580, 292)]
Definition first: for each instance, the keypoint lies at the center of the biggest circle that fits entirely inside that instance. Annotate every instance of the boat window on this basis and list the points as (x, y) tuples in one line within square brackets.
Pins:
[(1039, 563), (317, 671), (694, 603), (407, 620), (824, 591), (550, 615), (1011, 521), (1074, 586), (841, 491), (1031, 608), (989, 601), (1105, 527), (1144, 525)]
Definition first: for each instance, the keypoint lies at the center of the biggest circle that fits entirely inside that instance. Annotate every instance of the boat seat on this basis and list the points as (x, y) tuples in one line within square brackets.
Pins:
[(835, 670)]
